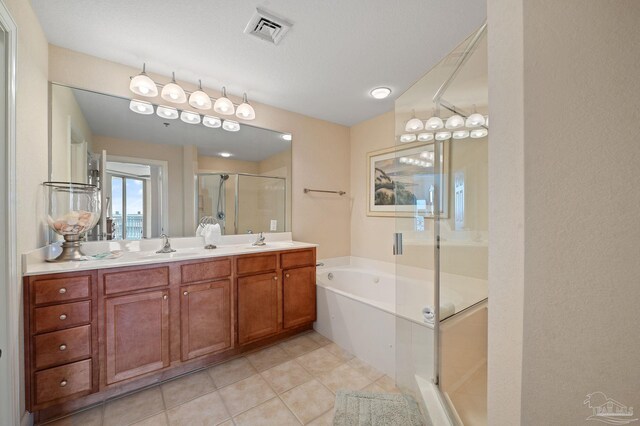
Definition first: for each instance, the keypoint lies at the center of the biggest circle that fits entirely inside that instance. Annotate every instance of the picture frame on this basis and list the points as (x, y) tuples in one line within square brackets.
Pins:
[(401, 181)]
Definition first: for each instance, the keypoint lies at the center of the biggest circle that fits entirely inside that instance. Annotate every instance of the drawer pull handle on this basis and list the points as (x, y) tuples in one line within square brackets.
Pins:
[(287, 275), (185, 293), (62, 290), (165, 297), (63, 383), (63, 347), (275, 278), (63, 317)]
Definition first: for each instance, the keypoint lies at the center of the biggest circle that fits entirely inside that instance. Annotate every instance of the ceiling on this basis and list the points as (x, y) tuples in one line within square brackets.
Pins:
[(334, 54), (110, 116)]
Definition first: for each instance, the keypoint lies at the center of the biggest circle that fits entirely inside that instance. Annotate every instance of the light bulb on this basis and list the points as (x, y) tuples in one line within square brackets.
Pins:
[(172, 92), (414, 125), (223, 105), (460, 134), (286, 137), (199, 99), (167, 112), (475, 120), (245, 111), (434, 123), (141, 107), (443, 136), (454, 122), (408, 137), (142, 84), (190, 117), (213, 122), (380, 92), (230, 125), (479, 133), (425, 137)]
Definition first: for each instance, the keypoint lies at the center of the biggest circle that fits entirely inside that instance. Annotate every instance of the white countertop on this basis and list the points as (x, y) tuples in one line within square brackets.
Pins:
[(144, 252)]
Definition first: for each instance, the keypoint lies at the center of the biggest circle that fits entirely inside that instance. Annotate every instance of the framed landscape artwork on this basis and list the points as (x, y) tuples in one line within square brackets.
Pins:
[(402, 181)]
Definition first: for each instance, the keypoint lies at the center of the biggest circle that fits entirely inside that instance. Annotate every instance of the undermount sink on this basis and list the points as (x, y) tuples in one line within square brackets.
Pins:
[(275, 244)]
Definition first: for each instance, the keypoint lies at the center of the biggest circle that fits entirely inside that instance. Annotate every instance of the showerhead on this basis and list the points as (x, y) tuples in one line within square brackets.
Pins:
[(224, 177)]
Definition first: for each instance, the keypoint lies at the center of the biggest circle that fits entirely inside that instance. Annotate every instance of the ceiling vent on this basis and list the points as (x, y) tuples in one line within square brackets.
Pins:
[(267, 26)]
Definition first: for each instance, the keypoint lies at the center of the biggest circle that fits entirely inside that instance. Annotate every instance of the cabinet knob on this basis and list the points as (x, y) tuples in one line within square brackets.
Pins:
[(287, 275), (63, 383), (185, 292), (275, 278), (165, 297), (63, 317), (62, 290), (63, 347)]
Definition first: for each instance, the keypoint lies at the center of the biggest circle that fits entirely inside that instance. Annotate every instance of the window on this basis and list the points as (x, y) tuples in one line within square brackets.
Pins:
[(127, 207)]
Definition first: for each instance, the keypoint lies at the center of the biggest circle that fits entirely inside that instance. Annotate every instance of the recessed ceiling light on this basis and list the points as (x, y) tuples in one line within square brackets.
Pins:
[(225, 154), (380, 92), (286, 137)]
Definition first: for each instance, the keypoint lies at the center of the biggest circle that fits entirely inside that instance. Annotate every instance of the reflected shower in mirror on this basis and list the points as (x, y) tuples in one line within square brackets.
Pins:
[(161, 175)]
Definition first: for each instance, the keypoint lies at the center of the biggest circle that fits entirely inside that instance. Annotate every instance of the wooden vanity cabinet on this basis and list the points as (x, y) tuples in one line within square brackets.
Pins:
[(299, 296), (258, 303)]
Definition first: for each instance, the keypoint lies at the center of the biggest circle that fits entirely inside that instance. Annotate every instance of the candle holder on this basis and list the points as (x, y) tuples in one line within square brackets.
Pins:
[(72, 210)]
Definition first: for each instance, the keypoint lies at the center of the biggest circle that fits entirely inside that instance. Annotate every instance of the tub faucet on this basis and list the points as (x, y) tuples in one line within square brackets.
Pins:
[(260, 241), (166, 245)]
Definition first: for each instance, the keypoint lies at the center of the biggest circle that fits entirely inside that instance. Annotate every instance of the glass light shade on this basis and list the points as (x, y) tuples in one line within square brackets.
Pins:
[(286, 137), (142, 85), (225, 154), (475, 120), (190, 117), (408, 137), (434, 123), (200, 100), (173, 93), (454, 122), (223, 105), (245, 112), (230, 125), (443, 136), (460, 134), (486, 120), (425, 137), (213, 122), (479, 133), (167, 112), (141, 107), (414, 125), (380, 92)]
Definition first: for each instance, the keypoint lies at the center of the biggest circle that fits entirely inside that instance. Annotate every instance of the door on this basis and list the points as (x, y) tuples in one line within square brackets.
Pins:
[(258, 307), (137, 334), (205, 318), (299, 296)]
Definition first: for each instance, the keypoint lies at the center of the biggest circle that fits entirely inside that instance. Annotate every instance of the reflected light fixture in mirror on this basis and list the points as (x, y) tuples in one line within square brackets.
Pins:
[(380, 92), (190, 117), (167, 112), (199, 99), (460, 134), (223, 105), (408, 137), (434, 123), (141, 107), (245, 111), (414, 125), (479, 133), (286, 137), (443, 136), (230, 125), (213, 122), (142, 84), (425, 137), (172, 92), (454, 122)]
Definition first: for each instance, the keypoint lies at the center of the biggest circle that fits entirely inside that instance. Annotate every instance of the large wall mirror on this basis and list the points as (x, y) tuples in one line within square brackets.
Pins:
[(161, 175)]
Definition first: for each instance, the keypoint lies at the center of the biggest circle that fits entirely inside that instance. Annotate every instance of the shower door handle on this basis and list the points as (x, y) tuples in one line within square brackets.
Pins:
[(397, 244)]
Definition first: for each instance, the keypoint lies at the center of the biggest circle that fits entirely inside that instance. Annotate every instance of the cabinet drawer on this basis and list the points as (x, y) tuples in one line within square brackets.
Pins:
[(204, 271), (256, 264), (297, 258), (59, 347), (61, 289), (63, 381), (57, 317), (136, 279)]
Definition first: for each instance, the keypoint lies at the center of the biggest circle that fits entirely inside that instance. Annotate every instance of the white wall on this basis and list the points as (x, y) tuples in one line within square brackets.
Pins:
[(564, 155)]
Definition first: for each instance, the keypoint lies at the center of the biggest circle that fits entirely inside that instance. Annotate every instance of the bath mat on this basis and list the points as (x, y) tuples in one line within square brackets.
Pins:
[(376, 409)]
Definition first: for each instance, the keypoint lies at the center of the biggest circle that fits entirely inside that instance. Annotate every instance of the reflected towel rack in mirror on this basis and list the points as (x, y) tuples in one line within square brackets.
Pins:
[(307, 190)]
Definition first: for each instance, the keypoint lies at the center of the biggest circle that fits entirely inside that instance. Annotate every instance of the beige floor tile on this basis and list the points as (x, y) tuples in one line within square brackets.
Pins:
[(309, 400), (324, 420), (90, 417), (268, 357), (246, 394), (286, 376), (186, 388), (271, 413), (319, 361), (207, 410), (338, 352), (387, 384), (318, 338), (374, 388), (133, 408), (299, 345), (365, 369), (231, 372), (159, 419), (344, 377), (227, 423)]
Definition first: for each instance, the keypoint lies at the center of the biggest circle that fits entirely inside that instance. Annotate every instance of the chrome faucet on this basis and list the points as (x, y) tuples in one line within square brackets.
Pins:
[(260, 241), (166, 245)]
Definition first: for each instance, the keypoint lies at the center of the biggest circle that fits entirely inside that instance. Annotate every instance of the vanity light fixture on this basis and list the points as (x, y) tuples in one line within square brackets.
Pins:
[(434, 123), (225, 154), (407, 137), (199, 99), (167, 112), (454, 122), (141, 107), (428, 155), (475, 119), (460, 134), (172, 92), (142, 84), (245, 111), (414, 125), (380, 92), (213, 122), (425, 137), (230, 125), (479, 133), (223, 105), (190, 117), (286, 136), (443, 136)]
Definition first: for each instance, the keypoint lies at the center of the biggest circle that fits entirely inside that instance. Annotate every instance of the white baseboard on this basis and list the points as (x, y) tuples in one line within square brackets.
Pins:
[(27, 419)]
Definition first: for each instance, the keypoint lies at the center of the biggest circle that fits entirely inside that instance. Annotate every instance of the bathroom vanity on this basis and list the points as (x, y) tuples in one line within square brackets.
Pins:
[(96, 333)]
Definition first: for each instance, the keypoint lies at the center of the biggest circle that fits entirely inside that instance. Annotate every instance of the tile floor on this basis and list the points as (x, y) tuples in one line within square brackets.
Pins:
[(470, 399), (291, 383)]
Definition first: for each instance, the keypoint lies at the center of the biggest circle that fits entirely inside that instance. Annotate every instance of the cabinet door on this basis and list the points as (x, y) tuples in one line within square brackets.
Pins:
[(299, 288), (205, 317), (257, 307), (137, 334)]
